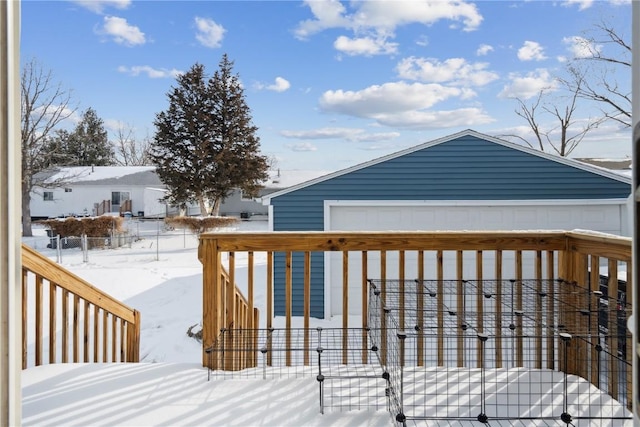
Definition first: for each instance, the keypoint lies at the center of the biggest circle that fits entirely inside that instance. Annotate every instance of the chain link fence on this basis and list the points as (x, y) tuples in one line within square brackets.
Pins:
[(144, 238)]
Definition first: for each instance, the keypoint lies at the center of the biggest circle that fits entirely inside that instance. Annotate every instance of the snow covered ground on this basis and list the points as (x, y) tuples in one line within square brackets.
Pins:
[(160, 276)]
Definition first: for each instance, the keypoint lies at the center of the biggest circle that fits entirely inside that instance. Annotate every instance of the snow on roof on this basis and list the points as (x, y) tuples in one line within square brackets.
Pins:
[(286, 178), (96, 173)]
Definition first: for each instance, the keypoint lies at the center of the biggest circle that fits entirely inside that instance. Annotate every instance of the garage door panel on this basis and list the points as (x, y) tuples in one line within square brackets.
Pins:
[(603, 218)]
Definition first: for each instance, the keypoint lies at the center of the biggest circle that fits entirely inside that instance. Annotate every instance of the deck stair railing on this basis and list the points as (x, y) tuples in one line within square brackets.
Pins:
[(66, 319)]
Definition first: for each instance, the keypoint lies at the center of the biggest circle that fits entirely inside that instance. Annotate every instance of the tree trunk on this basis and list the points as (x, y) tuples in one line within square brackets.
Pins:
[(203, 206), (216, 208), (26, 211)]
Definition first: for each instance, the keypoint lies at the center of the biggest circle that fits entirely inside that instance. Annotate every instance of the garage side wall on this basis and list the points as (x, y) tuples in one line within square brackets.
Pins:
[(464, 168)]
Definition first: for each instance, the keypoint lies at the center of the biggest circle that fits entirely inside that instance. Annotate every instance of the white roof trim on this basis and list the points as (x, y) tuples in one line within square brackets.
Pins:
[(558, 159), (531, 202)]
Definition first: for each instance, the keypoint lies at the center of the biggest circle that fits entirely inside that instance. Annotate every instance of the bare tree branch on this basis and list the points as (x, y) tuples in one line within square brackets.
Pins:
[(44, 106), (552, 118), (129, 150), (609, 55)]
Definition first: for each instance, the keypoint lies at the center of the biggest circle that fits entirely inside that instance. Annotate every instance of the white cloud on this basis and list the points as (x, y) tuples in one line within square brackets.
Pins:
[(581, 47), (327, 13), (279, 85), (209, 33), (366, 46), (484, 49), (151, 72), (322, 133), (453, 70), (121, 32), (301, 146), (422, 120), (389, 15), (349, 134), (404, 105), (386, 98), (529, 85), (98, 6), (379, 19), (531, 51), (582, 4)]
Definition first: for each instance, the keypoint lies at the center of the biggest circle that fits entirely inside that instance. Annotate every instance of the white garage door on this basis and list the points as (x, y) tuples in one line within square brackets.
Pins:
[(602, 216)]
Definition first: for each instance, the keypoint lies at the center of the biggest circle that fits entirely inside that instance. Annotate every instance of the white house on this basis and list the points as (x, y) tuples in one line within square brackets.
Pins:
[(94, 190)]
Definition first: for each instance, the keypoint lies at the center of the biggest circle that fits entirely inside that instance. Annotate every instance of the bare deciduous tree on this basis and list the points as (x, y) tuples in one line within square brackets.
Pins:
[(552, 119), (45, 104), (129, 150), (606, 55)]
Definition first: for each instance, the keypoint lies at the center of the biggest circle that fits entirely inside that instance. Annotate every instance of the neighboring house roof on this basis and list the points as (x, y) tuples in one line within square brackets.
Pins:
[(105, 175), (613, 164), (554, 158), (620, 166), (147, 176)]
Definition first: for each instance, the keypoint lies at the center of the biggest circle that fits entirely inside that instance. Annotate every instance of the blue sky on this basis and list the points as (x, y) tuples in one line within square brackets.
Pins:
[(330, 84)]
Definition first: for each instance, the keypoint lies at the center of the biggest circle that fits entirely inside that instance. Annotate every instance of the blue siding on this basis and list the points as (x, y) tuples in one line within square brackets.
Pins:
[(465, 168)]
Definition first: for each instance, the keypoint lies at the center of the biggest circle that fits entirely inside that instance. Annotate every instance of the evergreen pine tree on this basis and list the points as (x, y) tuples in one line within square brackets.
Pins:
[(89, 144), (205, 144)]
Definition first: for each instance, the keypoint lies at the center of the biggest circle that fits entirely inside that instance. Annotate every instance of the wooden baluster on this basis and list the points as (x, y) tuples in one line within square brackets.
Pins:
[(519, 323), (551, 313), (479, 305), (499, 302), (287, 305), (401, 289), (538, 309), (25, 316), (594, 304), (460, 304), (114, 338), (365, 308), (307, 304), (53, 333), (96, 333), (345, 306), (231, 320), (76, 328), (65, 326), (39, 319), (420, 308), (85, 331), (383, 304), (105, 336), (269, 304), (440, 308), (612, 325), (123, 342)]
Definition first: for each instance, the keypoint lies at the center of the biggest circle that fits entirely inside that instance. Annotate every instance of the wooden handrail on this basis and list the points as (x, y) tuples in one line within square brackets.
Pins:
[(123, 328), (565, 265)]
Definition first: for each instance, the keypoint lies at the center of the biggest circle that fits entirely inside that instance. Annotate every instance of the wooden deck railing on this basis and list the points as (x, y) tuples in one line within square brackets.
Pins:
[(102, 208), (232, 309), (72, 320), (566, 259)]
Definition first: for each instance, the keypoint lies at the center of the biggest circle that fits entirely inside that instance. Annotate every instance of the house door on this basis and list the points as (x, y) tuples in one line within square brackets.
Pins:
[(119, 198)]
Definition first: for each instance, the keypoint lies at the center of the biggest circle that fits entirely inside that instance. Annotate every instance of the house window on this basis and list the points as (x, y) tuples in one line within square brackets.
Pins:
[(48, 196), (68, 190)]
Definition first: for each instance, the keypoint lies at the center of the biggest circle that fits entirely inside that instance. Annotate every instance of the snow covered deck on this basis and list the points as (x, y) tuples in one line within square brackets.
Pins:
[(172, 394)]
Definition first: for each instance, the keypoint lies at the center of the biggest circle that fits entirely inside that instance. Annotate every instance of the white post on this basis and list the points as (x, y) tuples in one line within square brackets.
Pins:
[(634, 324), (10, 213)]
